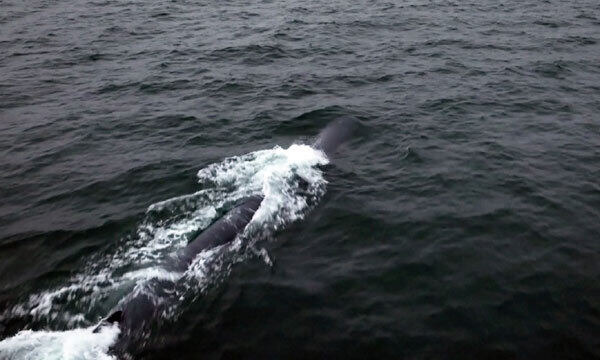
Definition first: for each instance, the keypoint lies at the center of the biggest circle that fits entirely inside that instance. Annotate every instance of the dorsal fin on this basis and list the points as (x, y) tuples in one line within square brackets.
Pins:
[(117, 316), (336, 133)]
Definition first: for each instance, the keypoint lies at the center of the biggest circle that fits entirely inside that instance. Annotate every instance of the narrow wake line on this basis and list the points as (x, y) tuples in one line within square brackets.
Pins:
[(289, 181)]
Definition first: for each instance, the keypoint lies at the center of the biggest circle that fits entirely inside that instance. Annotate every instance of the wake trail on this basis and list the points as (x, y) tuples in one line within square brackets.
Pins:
[(290, 182)]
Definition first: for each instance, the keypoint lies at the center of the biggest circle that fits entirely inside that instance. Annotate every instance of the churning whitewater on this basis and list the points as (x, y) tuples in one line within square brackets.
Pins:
[(290, 181)]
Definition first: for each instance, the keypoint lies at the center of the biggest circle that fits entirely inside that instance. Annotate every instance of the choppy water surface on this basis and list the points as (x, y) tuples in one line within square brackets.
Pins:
[(461, 222)]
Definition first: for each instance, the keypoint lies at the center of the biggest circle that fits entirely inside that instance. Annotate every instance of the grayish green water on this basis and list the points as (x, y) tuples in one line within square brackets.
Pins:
[(461, 222)]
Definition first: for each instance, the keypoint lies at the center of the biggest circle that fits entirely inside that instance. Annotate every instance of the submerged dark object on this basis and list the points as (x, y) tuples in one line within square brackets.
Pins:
[(136, 312)]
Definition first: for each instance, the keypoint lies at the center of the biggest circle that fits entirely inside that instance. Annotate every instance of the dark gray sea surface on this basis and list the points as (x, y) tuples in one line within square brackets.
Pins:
[(461, 222)]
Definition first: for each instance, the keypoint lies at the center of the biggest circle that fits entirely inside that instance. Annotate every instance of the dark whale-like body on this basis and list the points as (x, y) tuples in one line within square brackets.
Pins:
[(220, 232), (137, 310)]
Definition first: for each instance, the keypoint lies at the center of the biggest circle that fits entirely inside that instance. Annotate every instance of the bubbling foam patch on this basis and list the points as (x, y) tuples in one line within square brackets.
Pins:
[(77, 344), (288, 179)]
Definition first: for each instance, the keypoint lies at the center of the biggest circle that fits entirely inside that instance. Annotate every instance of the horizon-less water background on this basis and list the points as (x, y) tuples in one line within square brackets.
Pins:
[(461, 222)]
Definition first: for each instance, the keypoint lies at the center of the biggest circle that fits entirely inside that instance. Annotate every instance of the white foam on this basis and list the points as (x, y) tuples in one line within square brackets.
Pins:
[(275, 174), (78, 344)]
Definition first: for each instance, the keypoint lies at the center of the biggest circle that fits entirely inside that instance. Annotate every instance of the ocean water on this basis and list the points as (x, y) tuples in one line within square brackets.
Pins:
[(462, 221)]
